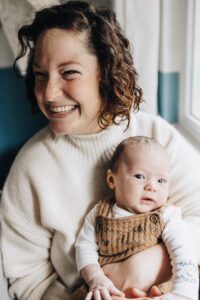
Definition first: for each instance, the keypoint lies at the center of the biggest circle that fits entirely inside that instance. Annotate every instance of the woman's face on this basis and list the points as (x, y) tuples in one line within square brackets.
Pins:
[(67, 80)]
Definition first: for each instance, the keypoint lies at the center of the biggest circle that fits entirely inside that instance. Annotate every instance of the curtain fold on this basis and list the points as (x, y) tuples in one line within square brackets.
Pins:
[(140, 20), (157, 31)]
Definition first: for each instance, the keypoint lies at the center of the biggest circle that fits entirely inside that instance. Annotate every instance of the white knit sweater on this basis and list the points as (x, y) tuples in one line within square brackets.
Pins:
[(53, 184)]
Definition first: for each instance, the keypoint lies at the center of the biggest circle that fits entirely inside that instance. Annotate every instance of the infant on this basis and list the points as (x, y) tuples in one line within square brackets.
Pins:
[(135, 218)]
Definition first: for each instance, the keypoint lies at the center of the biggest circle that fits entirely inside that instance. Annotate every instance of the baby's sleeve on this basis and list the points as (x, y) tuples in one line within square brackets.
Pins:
[(177, 239), (86, 246)]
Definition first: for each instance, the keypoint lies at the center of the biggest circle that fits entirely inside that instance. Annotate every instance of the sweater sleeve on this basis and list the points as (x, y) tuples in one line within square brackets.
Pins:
[(25, 242), (180, 247), (86, 246)]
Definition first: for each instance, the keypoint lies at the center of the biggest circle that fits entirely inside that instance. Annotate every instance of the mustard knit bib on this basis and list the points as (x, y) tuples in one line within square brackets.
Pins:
[(120, 238)]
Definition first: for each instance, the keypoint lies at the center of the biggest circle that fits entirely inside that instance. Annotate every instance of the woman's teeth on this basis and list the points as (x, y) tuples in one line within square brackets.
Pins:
[(62, 109)]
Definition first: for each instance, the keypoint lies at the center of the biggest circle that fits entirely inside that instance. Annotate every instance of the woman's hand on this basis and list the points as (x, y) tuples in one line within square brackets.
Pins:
[(134, 293)]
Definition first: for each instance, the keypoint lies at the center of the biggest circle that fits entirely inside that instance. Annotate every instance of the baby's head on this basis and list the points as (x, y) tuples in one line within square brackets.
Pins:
[(139, 174)]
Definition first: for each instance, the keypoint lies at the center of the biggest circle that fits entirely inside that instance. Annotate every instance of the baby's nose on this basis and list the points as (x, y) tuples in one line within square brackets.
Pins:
[(150, 186)]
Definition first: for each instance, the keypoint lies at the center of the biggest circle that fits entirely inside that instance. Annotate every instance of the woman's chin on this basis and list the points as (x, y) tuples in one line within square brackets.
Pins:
[(59, 130)]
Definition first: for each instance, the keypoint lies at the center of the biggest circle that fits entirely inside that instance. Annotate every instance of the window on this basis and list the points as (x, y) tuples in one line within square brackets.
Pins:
[(190, 106)]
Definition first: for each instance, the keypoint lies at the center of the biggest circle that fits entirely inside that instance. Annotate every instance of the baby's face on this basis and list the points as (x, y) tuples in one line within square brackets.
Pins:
[(141, 181)]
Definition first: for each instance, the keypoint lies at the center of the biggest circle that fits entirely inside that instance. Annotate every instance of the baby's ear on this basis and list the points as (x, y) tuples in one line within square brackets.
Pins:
[(110, 179)]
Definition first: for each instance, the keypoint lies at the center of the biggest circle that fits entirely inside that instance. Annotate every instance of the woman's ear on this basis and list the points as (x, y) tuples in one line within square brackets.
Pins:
[(110, 179)]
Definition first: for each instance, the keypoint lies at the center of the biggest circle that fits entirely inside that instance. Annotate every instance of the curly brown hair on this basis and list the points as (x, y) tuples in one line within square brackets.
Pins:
[(118, 88)]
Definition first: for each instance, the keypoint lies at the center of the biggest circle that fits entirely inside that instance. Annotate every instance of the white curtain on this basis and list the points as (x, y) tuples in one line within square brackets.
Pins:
[(140, 20), (157, 31), (15, 13)]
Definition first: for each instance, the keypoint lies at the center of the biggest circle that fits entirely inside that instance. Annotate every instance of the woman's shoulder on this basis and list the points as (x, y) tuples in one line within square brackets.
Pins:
[(143, 117), (166, 134), (154, 126), (38, 139), (34, 147)]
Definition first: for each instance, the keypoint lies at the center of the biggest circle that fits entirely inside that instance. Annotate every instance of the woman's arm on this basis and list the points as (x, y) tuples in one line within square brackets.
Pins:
[(25, 243)]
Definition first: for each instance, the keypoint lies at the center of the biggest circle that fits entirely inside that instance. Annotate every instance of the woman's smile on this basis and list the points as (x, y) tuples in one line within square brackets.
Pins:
[(60, 112)]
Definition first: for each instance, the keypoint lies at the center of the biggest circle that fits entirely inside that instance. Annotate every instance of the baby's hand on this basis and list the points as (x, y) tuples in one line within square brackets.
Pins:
[(101, 287)]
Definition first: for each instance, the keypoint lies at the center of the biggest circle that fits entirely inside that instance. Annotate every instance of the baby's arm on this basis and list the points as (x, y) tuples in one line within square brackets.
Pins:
[(99, 284), (87, 262), (177, 239)]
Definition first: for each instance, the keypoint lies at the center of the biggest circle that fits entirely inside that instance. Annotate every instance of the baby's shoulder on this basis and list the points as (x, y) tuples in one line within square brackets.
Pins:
[(169, 212)]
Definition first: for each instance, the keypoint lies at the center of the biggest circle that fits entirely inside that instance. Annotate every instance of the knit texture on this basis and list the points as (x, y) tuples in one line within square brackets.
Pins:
[(53, 183), (120, 238)]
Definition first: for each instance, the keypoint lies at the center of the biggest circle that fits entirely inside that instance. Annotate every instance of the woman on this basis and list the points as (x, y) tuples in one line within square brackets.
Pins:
[(81, 76)]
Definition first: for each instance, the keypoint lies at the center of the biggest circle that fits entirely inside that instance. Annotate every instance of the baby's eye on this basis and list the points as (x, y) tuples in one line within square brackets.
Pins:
[(162, 180), (139, 176), (70, 74)]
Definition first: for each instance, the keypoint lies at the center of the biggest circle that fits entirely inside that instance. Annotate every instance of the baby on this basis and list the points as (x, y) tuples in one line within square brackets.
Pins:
[(135, 218)]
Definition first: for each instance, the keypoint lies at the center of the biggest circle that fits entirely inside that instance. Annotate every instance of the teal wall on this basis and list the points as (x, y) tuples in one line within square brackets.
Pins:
[(168, 95), (17, 124)]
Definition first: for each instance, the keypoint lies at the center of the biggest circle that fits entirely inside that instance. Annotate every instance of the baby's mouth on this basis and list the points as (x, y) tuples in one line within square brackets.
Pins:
[(148, 199)]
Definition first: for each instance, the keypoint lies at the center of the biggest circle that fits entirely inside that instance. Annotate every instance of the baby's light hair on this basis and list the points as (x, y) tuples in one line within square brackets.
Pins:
[(132, 141)]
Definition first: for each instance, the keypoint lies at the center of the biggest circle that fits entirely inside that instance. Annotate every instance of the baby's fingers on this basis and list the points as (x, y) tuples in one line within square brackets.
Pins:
[(105, 294), (89, 295), (115, 292), (97, 295)]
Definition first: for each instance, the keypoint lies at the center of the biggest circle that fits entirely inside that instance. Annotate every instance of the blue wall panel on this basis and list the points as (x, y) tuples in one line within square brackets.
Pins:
[(17, 124), (168, 96)]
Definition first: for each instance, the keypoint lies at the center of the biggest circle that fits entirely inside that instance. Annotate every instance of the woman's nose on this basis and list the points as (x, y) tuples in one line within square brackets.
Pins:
[(52, 90)]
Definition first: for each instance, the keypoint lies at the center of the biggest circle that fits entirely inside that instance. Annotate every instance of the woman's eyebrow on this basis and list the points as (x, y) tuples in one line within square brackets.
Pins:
[(72, 62)]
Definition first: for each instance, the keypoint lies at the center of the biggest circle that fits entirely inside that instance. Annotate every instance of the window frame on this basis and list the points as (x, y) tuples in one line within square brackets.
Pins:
[(187, 121)]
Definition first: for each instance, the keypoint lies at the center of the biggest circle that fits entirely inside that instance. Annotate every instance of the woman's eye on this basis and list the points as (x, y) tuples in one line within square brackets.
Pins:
[(70, 74), (139, 176), (40, 76)]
